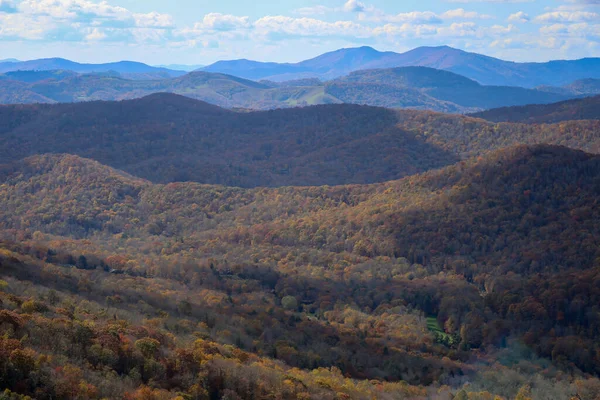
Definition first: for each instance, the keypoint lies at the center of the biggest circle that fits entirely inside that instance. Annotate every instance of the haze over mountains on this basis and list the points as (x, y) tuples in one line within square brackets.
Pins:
[(407, 87), (123, 67), (483, 69), (169, 235), (430, 78)]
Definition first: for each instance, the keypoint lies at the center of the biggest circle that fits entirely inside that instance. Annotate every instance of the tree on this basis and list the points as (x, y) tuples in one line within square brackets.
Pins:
[(147, 346), (82, 262), (289, 303)]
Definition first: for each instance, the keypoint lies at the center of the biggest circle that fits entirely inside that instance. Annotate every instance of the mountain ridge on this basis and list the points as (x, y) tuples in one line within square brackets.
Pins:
[(484, 69), (587, 108), (481, 68), (403, 87), (167, 137), (64, 64)]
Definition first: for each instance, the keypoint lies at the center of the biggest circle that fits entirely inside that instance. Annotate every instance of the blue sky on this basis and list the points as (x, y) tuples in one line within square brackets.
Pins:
[(201, 31)]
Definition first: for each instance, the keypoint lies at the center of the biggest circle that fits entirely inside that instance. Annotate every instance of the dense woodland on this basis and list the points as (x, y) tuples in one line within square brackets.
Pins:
[(392, 290), (445, 86), (586, 108), (463, 262), (167, 138)]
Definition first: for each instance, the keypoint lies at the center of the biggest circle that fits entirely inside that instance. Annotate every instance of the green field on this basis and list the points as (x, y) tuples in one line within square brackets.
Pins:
[(440, 335)]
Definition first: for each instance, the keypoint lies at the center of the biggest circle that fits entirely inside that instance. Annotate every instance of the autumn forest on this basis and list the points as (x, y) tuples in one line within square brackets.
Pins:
[(166, 248)]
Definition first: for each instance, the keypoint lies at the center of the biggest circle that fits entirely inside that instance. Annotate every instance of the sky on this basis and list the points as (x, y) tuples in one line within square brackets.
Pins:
[(202, 32)]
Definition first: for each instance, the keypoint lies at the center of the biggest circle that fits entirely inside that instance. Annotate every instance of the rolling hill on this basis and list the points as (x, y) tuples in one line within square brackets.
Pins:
[(499, 252), (483, 69), (411, 87), (444, 86), (167, 138), (219, 89), (580, 109), (584, 87)]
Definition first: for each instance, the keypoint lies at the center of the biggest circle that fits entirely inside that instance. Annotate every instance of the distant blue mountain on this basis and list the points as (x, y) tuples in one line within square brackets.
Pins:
[(180, 67), (483, 69), (255, 69), (49, 64)]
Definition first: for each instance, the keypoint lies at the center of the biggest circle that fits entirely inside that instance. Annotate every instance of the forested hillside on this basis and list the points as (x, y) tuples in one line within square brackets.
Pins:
[(167, 138), (219, 89), (586, 108), (448, 87), (413, 87), (194, 288)]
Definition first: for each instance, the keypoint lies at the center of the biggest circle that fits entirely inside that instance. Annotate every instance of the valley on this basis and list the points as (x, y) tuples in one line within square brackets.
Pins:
[(360, 225)]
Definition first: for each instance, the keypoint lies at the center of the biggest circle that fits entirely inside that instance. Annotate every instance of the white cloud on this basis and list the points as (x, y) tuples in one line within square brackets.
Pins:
[(422, 17), (585, 2), (519, 17), (70, 9), (354, 6), (406, 30), (223, 22), (19, 26), (282, 25), (445, 33), (568, 16), (501, 30), (316, 10), (460, 29), (415, 17), (95, 35), (490, 1), (461, 13), (77, 20), (581, 30), (154, 20), (554, 29)]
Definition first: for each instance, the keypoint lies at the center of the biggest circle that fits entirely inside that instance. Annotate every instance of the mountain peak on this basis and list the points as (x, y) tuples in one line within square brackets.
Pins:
[(163, 99), (481, 68)]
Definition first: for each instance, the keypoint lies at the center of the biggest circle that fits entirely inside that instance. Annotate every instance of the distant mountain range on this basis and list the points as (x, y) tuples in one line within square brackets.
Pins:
[(408, 87), (483, 69), (121, 67), (480, 68), (180, 67)]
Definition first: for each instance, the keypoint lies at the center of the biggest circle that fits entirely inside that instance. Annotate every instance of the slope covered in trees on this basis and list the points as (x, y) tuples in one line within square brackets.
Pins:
[(500, 252), (586, 108), (413, 87), (78, 333), (450, 87), (166, 138)]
